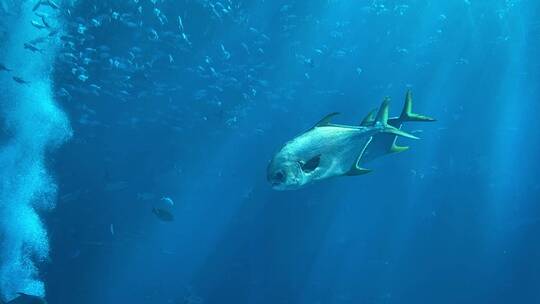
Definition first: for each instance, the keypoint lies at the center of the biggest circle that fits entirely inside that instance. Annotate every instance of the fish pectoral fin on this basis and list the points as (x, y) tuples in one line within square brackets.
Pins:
[(357, 171)]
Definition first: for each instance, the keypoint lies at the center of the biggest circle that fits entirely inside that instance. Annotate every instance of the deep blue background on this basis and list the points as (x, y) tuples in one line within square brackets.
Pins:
[(453, 220)]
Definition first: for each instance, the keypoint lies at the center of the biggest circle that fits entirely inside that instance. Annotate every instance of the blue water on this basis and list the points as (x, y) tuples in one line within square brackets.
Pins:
[(124, 106)]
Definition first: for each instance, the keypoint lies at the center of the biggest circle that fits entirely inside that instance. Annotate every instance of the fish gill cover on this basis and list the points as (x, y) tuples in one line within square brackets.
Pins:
[(34, 125)]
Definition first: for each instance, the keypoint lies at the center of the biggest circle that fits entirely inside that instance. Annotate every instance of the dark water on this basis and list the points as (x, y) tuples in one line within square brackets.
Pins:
[(155, 109)]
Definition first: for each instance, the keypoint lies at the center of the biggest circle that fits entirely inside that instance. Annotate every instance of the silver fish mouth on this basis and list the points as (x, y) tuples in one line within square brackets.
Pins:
[(277, 178)]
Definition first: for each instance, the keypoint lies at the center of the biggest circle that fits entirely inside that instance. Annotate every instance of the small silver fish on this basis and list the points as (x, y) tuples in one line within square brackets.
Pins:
[(163, 214)]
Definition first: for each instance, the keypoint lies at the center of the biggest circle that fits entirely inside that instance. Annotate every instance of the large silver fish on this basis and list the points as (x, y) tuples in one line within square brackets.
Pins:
[(329, 150)]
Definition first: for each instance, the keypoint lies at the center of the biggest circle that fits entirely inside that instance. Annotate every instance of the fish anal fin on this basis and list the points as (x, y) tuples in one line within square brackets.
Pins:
[(355, 168), (397, 149)]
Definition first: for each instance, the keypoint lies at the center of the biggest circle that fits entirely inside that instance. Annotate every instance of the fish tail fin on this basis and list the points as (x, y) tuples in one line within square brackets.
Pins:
[(397, 149), (381, 122), (407, 113)]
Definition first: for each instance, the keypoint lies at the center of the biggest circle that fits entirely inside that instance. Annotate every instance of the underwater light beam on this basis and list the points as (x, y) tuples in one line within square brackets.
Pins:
[(34, 125)]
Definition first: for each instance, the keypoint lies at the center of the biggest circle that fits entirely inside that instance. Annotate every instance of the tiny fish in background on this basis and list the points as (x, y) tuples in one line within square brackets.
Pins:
[(167, 200), (163, 215), (4, 68), (20, 80)]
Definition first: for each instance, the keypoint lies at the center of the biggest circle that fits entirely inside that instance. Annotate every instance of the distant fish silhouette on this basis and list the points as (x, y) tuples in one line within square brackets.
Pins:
[(49, 3), (163, 214), (20, 80), (32, 48), (167, 200), (25, 299), (4, 68)]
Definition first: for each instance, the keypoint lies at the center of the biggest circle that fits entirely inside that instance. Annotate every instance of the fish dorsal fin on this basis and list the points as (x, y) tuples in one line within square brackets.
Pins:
[(326, 120), (369, 119), (382, 114)]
